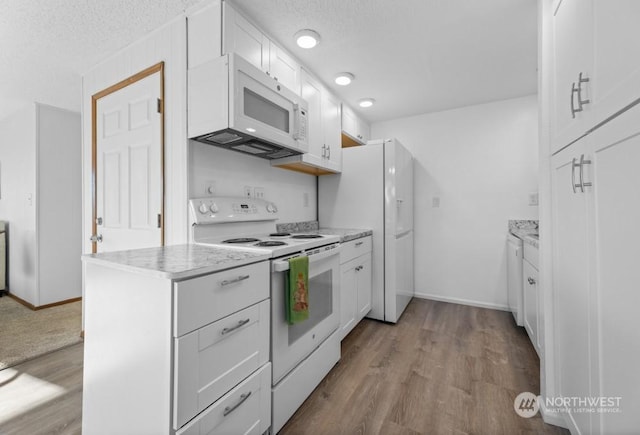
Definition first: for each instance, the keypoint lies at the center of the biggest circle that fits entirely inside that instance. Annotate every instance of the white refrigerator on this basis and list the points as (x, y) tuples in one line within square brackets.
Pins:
[(375, 190)]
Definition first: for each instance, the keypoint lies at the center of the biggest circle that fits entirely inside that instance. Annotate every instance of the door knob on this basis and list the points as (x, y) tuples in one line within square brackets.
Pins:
[(96, 238)]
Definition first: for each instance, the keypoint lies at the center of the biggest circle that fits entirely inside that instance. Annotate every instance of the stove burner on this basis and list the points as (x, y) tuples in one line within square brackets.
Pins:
[(270, 243), (306, 236), (279, 234), (241, 240)]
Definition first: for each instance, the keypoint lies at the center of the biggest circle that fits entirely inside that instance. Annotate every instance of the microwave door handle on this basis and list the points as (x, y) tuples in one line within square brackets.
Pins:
[(296, 121), (283, 265)]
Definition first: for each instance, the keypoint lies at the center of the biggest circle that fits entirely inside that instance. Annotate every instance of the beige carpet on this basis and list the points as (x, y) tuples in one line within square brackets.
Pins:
[(25, 334)]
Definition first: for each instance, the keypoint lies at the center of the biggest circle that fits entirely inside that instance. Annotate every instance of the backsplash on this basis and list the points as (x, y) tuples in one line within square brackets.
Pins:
[(229, 173), (297, 227)]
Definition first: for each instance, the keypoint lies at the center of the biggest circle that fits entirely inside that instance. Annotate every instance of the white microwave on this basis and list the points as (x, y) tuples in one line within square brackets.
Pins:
[(234, 105)]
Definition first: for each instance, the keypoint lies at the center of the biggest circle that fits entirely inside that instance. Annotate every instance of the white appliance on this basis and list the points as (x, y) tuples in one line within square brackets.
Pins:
[(375, 190), (514, 278), (234, 105), (301, 354)]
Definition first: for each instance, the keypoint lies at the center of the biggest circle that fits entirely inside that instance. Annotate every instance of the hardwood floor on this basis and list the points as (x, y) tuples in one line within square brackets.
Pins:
[(444, 369), (43, 395)]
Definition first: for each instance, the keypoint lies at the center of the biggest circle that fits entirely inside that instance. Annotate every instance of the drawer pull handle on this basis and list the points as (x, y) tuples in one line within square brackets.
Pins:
[(233, 328), (359, 243), (531, 281), (234, 280), (229, 409)]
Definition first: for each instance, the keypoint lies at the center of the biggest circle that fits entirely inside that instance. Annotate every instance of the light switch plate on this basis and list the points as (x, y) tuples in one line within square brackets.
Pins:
[(533, 198)]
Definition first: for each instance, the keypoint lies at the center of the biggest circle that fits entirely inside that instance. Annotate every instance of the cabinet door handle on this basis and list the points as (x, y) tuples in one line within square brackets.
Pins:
[(582, 183), (531, 280), (234, 280), (329, 152), (240, 323), (359, 243), (573, 174), (574, 110), (581, 80), (229, 409)]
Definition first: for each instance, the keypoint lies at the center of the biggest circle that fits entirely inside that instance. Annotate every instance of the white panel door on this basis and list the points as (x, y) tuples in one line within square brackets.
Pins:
[(571, 280), (572, 55), (129, 167), (616, 181)]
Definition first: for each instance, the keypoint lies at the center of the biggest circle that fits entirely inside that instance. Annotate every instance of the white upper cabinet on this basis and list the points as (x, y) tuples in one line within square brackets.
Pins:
[(283, 67), (325, 152), (355, 130), (616, 75), (243, 38), (204, 39), (572, 49), (596, 64)]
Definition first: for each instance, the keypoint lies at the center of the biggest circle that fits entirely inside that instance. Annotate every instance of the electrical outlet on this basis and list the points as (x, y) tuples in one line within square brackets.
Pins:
[(305, 199), (435, 202), (533, 198), (210, 188), (248, 191), (258, 192)]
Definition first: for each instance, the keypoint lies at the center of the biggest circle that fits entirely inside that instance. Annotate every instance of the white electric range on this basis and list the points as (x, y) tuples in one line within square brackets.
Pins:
[(301, 354)]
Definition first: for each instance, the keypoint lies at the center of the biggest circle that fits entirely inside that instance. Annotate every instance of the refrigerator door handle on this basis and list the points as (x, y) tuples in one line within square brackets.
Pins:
[(402, 233)]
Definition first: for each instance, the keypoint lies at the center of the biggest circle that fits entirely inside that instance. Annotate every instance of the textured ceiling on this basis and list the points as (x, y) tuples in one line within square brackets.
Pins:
[(46, 45), (412, 56)]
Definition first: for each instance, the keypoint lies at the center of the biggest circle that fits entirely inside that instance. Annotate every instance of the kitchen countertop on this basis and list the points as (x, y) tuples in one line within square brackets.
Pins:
[(177, 261), (346, 234), (525, 230)]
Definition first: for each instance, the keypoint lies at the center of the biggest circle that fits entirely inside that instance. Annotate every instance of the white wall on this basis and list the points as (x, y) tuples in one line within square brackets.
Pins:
[(167, 44), (18, 200), (40, 199), (481, 162), (231, 171)]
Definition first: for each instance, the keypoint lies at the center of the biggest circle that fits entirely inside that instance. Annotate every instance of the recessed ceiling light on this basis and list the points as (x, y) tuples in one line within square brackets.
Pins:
[(251, 130), (307, 38), (366, 102), (344, 78)]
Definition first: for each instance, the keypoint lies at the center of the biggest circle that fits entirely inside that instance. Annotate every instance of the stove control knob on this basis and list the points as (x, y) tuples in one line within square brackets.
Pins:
[(271, 208), (203, 208), (214, 208)]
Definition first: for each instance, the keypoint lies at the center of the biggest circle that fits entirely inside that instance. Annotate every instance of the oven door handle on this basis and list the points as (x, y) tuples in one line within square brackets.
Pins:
[(283, 265)]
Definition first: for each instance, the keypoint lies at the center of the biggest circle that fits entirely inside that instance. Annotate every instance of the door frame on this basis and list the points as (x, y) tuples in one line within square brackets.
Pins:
[(159, 67)]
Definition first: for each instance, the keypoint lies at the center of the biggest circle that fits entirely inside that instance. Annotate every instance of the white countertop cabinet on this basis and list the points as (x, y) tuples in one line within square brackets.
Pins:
[(355, 285), (595, 75), (168, 356)]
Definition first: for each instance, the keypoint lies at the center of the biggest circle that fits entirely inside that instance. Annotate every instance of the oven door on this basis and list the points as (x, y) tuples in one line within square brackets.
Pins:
[(265, 109), (290, 344)]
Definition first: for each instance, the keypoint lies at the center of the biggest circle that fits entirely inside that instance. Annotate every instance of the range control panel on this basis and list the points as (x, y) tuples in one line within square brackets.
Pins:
[(221, 209)]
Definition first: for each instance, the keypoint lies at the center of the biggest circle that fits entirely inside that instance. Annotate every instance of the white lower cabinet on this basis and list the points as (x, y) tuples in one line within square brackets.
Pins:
[(246, 409), (213, 359), (355, 285), (188, 356), (531, 296)]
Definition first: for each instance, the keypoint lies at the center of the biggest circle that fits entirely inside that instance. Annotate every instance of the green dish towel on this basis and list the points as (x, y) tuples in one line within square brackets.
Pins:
[(297, 290)]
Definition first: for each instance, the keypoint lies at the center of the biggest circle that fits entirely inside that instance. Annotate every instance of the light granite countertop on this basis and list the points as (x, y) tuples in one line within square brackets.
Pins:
[(346, 234), (177, 261), (525, 230)]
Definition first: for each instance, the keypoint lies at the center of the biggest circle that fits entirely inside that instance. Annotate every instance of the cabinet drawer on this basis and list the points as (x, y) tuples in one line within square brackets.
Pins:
[(531, 254), (355, 248), (213, 359), (244, 410), (203, 300)]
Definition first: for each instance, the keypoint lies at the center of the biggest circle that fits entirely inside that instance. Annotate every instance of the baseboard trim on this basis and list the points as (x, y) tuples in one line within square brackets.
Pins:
[(554, 418), (41, 307), (462, 301)]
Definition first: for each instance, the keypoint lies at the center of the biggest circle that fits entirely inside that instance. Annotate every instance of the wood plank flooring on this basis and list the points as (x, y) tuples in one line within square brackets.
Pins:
[(444, 369)]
